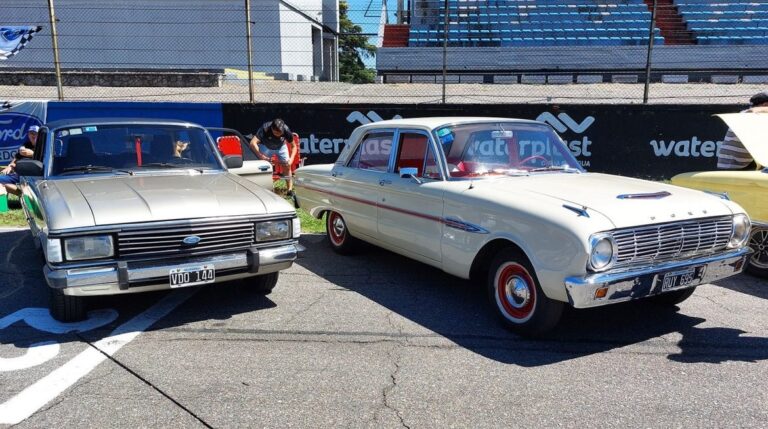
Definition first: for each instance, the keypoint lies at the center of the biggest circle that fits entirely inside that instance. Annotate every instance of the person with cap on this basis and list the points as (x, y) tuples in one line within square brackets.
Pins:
[(732, 154), (270, 139), (9, 179)]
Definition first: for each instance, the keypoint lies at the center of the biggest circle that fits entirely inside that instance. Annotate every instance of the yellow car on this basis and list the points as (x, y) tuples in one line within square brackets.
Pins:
[(748, 188)]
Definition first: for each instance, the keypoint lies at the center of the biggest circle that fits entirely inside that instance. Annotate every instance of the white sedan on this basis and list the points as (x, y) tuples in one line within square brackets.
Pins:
[(503, 202)]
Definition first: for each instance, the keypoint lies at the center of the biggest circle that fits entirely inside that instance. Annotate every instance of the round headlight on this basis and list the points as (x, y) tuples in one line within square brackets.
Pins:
[(740, 234), (601, 256)]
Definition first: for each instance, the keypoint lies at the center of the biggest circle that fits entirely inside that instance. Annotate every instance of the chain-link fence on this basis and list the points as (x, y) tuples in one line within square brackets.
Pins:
[(422, 51)]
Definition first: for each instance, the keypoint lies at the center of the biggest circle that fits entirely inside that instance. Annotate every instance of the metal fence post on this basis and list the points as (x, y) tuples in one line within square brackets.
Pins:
[(250, 54), (445, 47), (54, 39), (650, 50)]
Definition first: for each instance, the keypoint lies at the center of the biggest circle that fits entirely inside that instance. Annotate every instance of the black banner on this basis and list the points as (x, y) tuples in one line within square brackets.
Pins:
[(654, 142)]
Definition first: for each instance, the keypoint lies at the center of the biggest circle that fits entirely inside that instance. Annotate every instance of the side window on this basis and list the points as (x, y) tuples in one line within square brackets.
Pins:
[(431, 170), (373, 152), (414, 152)]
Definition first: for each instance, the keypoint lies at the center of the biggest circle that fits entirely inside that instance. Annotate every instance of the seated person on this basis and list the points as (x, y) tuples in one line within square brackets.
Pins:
[(179, 147), (9, 179)]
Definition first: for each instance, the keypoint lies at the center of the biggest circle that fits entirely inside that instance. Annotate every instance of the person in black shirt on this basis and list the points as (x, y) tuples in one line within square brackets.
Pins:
[(270, 139), (8, 177)]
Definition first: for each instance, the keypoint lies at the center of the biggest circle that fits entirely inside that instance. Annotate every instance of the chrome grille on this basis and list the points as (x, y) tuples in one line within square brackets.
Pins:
[(672, 240), (167, 240)]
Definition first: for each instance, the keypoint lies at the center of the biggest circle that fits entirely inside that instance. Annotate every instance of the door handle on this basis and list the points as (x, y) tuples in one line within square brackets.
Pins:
[(337, 174), (264, 168), (383, 182)]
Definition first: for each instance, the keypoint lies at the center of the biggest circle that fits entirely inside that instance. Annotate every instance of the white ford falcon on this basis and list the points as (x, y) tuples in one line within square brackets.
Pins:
[(503, 202)]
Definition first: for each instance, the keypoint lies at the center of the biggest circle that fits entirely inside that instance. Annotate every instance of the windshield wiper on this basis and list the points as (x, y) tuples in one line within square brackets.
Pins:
[(86, 169), (163, 165), (564, 168)]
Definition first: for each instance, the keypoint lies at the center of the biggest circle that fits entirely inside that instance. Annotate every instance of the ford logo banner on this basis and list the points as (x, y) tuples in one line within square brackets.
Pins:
[(13, 133), (191, 240)]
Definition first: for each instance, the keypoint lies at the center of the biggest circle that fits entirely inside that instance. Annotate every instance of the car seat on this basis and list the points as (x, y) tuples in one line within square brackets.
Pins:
[(79, 152), (162, 148)]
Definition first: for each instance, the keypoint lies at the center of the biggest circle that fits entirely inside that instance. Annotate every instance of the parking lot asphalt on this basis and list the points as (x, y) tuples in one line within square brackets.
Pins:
[(373, 340)]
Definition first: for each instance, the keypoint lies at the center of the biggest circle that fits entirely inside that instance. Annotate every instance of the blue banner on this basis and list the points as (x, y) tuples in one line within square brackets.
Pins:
[(15, 119), (205, 114)]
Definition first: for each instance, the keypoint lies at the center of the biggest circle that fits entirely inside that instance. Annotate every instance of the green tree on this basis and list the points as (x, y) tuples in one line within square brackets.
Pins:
[(352, 48)]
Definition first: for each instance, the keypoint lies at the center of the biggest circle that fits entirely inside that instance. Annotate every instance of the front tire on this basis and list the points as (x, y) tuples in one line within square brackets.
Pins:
[(264, 284), (669, 299), (338, 234), (65, 308), (515, 294), (758, 262)]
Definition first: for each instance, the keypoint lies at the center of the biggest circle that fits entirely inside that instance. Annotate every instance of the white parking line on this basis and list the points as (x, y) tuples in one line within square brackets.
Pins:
[(34, 397)]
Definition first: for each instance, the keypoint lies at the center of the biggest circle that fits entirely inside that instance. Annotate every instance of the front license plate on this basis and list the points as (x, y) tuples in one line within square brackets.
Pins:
[(682, 278), (191, 276)]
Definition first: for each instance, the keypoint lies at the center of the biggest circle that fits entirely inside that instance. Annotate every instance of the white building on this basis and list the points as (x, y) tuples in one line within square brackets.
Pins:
[(298, 37)]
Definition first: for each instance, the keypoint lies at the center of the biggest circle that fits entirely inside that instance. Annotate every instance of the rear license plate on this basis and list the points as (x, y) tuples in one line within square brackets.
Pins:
[(191, 276), (682, 278)]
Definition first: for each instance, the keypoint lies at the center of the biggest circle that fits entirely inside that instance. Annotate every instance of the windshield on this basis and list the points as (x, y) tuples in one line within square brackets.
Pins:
[(485, 149), (130, 148)]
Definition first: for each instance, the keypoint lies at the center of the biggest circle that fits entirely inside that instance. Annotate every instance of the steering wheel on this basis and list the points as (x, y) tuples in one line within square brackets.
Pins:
[(531, 158), (181, 160)]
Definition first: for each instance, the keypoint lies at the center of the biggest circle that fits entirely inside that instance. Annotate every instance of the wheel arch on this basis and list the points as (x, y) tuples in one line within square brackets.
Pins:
[(482, 261)]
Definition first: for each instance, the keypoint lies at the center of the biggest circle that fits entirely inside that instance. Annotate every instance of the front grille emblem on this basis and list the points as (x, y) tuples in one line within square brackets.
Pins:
[(191, 240)]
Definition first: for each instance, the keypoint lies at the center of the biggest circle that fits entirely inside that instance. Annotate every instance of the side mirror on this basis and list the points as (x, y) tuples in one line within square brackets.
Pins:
[(410, 173), (407, 172), (29, 167), (233, 161)]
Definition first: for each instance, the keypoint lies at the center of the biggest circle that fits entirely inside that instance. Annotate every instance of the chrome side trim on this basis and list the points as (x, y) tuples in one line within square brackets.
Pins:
[(628, 284), (452, 222), (650, 195), (581, 211)]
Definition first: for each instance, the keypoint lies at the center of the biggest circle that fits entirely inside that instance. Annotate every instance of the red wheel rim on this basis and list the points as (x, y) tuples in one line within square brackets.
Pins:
[(515, 292), (337, 229)]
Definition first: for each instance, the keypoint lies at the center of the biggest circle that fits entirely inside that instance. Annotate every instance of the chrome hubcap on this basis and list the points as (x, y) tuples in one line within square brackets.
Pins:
[(338, 227), (517, 292), (759, 243)]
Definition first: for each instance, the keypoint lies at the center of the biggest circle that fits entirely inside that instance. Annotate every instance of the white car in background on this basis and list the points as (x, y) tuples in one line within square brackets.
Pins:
[(231, 142), (503, 201)]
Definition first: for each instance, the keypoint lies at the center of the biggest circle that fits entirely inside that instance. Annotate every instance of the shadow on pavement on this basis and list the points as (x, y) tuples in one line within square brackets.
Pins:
[(22, 286), (458, 310), (747, 284)]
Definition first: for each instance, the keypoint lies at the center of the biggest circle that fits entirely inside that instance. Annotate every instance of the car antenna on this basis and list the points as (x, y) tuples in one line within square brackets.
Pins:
[(471, 184)]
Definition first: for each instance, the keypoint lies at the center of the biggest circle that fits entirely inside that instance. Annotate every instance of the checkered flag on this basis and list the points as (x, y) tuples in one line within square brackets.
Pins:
[(13, 39)]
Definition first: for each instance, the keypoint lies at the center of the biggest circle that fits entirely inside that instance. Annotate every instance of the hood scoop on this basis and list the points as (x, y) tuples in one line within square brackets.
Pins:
[(644, 196)]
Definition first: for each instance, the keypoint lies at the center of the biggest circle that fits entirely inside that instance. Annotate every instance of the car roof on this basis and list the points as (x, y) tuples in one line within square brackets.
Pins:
[(436, 122), (118, 121)]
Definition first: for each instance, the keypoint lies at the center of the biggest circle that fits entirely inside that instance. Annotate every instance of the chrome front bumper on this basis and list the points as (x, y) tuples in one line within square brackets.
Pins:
[(131, 277), (641, 282)]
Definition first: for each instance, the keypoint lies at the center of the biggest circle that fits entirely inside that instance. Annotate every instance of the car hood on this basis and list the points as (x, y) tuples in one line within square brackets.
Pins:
[(752, 130), (96, 201), (643, 202)]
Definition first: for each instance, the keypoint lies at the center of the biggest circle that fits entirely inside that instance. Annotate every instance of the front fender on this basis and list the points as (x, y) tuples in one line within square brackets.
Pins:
[(553, 238)]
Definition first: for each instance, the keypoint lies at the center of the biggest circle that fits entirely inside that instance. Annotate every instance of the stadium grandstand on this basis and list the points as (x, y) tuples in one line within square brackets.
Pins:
[(589, 41)]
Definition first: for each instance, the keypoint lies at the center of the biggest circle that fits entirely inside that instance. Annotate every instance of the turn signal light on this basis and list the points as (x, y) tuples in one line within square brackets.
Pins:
[(601, 293)]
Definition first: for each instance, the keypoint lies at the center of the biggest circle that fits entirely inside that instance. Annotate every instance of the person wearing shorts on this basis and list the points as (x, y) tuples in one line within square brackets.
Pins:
[(269, 140)]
